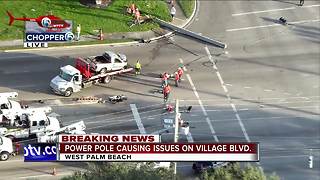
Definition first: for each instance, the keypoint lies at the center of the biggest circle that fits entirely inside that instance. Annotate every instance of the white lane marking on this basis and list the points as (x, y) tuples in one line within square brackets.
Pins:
[(270, 25), (190, 138), (252, 27), (228, 96), (287, 156), (203, 109), (256, 12), (273, 10), (315, 5), (201, 104), (184, 68), (137, 118), (247, 87), (228, 84), (267, 90), (294, 107)]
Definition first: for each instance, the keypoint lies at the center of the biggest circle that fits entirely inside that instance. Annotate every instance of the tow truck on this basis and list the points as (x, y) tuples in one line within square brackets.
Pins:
[(73, 79), (6, 148)]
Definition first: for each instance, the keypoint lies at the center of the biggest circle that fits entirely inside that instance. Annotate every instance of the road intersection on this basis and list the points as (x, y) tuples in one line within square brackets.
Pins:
[(263, 88)]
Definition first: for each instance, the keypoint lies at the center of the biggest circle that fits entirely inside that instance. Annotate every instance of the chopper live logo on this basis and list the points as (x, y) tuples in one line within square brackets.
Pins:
[(43, 29)]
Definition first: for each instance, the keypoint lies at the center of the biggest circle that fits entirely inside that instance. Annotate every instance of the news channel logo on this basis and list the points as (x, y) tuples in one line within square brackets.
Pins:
[(49, 37), (49, 32), (40, 152)]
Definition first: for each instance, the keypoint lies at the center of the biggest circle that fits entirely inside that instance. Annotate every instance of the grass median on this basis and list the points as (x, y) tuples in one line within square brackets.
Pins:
[(110, 19), (187, 6)]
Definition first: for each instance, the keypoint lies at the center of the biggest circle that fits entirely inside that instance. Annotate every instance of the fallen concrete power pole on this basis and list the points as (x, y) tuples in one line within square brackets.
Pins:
[(190, 33)]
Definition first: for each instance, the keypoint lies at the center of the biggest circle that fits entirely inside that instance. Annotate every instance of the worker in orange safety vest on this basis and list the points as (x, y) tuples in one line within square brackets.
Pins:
[(176, 78), (164, 79), (133, 8), (180, 73), (166, 93), (137, 16)]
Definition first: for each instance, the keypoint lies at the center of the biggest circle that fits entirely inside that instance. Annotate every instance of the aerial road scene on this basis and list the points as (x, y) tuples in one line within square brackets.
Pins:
[(159, 89)]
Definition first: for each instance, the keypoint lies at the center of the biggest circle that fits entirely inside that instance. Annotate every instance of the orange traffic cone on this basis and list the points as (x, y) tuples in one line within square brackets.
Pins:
[(54, 172)]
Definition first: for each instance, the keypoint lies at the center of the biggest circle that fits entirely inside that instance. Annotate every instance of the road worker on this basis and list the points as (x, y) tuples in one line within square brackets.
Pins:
[(164, 78), (133, 8), (138, 67), (166, 93), (78, 30), (169, 108), (176, 78), (180, 73), (137, 16)]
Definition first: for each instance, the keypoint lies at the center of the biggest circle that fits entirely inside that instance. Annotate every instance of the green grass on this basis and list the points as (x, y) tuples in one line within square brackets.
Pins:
[(111, 19), (187, 6)]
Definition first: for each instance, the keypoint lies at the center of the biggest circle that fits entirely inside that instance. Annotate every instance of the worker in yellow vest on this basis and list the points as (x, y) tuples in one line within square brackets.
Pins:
[(137, 67)]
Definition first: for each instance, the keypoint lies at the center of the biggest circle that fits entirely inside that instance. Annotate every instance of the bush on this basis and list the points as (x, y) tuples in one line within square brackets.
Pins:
[(122, 171), (235, 171)]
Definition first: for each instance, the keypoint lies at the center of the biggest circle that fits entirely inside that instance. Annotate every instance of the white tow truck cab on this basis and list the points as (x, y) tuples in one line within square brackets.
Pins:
[(73, 79), (6, 148), (52, 136), (30, 124)]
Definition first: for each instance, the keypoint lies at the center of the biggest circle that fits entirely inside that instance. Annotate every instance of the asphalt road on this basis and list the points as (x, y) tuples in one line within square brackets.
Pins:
[(264, 87)]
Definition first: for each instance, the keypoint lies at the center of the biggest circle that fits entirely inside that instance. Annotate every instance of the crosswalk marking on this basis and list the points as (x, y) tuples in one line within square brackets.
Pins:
[(137, 118)]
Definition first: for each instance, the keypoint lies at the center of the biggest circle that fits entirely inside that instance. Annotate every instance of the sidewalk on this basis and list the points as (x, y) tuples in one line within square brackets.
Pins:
[(179, 20)]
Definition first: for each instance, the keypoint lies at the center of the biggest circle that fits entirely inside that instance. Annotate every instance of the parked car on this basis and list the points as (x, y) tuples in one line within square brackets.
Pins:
[(202, 166)]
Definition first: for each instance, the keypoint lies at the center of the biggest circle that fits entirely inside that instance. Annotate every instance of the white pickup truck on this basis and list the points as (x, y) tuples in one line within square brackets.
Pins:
[(6, 148), (30, 124), (109, 61)]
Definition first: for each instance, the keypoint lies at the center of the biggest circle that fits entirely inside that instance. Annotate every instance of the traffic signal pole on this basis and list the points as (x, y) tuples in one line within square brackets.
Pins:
[(176, 130)]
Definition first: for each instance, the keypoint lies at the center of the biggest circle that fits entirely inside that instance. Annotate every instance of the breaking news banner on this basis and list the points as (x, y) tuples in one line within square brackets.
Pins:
[(109, 138), (40, 152), (137, 147), (158, 152)]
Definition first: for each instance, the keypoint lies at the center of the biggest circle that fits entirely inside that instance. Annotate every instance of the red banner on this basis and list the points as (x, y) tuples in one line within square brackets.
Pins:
[(161, 148)]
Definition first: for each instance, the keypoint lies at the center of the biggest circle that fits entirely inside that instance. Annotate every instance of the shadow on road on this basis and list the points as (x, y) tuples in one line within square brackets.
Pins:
[(287, 2)]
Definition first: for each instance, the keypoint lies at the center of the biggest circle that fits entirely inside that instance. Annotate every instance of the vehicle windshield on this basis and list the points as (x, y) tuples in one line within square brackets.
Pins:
[(65, 76)]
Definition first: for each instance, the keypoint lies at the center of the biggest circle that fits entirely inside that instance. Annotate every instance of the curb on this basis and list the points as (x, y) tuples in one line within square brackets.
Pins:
[(188, 21), (183, 25)]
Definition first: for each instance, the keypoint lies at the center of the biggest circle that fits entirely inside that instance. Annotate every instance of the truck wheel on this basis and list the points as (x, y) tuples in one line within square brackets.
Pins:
[(4, 156), (103, 71), (107, 79), (68, 92)]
